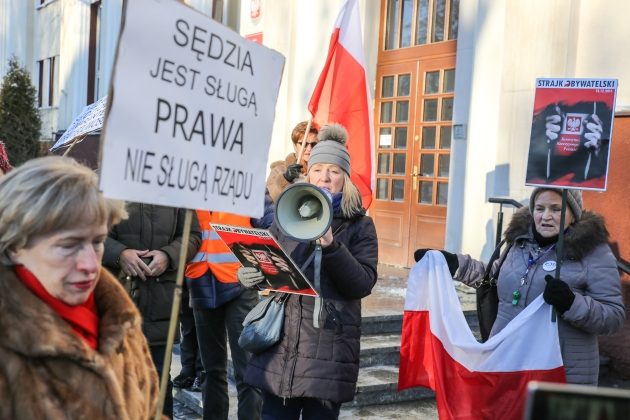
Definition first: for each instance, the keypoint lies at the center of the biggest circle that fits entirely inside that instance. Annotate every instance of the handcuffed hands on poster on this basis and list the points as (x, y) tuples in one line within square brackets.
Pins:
[(258, 249), (571, 133)]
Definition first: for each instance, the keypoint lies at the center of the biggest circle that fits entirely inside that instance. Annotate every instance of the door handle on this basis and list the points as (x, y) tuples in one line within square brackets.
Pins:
[(413, 177)]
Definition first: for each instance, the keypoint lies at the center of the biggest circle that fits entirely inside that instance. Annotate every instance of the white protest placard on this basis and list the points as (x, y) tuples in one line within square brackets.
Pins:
[(90, 120), (192, 111)]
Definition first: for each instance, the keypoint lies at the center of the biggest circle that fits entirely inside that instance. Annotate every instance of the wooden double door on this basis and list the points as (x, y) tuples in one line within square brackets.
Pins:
[(413, 125)]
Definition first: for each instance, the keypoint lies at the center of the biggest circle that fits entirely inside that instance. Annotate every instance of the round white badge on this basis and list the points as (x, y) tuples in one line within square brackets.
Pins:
[(549, 265)]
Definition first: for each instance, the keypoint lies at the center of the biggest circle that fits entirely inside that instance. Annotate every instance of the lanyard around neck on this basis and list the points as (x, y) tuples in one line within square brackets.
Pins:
[(531, 261)]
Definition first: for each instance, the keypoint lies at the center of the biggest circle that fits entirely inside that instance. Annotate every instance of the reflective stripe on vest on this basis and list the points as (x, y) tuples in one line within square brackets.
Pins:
[(215, 258), (213, 254)]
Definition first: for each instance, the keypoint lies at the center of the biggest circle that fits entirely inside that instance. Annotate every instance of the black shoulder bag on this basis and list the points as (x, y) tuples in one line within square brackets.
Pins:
[(487, 295)]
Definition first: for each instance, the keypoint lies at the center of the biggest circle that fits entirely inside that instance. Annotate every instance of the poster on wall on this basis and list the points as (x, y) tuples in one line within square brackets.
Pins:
[(571, 133), (258, 248)]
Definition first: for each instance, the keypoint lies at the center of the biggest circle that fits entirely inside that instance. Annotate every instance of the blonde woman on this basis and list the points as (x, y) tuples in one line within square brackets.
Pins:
[(312, 370), (70, 339)]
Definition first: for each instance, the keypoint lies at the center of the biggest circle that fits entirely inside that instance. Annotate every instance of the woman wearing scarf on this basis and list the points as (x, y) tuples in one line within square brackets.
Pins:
[(312, 370), (71, 344), (5, 166), (586, 297)]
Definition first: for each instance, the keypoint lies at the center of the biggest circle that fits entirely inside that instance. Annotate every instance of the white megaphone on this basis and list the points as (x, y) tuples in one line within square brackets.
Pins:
[(304, 212)]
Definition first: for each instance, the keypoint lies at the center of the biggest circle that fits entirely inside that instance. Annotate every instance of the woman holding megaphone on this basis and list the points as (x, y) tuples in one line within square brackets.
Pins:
[(314, 367)]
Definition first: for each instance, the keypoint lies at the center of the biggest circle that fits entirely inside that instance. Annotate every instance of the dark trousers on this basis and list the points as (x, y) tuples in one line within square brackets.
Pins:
[(276, 408), (214, 327), (157, 354), (188, 345)]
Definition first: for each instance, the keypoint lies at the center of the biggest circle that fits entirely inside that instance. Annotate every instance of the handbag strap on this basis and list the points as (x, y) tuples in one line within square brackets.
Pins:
[(495, 256), (317, 308), (316, 257)]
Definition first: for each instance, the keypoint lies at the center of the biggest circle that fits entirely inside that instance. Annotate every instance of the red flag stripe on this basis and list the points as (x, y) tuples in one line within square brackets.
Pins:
[(461, 393), (472, 380)]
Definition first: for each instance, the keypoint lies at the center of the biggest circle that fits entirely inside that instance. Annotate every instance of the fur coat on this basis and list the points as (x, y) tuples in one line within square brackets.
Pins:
[(589, 268), (48, 372)]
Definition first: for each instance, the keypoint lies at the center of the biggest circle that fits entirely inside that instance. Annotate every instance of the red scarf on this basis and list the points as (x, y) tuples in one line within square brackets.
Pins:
[(82, 318)]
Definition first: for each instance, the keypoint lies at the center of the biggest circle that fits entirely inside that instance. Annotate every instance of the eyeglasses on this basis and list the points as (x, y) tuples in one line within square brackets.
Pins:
[(307, 144)]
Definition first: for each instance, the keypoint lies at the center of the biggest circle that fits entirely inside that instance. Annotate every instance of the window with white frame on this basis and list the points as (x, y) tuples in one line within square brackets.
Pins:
[(47, 81)]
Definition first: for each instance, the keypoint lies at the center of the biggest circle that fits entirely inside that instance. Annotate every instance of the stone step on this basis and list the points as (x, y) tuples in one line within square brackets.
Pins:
[(381, 349), (379, 385), (381, 324), (192, 400), (392, 323), (376, 385)]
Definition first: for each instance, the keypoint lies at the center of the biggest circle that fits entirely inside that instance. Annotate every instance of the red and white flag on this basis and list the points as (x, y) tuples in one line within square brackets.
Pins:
[(342, 96), (472, 380)]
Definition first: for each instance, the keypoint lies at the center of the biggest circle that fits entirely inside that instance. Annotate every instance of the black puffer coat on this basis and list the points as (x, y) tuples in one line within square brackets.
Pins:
[(323, 363), (152, 227)]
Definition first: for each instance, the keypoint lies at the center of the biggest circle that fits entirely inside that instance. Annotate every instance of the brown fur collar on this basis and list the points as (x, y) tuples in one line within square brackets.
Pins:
[(31, 327), (289, 160), (579, 239)]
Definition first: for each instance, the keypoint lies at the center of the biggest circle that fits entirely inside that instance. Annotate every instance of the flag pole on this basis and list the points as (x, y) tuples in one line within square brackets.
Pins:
[(560, 246), (177, 297), (306, 132)]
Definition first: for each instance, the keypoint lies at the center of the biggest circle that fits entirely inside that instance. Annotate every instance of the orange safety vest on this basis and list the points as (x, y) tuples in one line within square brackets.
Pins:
[(214, 254)]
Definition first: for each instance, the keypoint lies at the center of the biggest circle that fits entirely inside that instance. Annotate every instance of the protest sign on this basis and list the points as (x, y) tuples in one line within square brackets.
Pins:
[(258, 248), (192, 111), (571, 133), (90, 120)]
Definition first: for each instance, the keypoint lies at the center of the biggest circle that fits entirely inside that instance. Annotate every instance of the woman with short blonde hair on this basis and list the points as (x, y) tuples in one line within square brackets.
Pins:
[(49, 194), (71, 344)]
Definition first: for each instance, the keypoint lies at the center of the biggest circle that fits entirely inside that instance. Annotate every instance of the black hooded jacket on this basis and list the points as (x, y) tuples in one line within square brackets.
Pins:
[(322, 362)]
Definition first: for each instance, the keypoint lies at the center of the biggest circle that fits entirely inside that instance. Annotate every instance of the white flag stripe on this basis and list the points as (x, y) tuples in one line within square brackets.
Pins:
[(349, 24), (529, 342)]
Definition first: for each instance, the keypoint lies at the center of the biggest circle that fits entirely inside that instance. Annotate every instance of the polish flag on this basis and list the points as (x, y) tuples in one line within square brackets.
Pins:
[(342, 96), (472, 380)]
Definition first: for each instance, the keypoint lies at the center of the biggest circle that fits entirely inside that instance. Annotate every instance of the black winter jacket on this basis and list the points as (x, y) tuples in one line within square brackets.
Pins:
[(152, 227), (322, 363)]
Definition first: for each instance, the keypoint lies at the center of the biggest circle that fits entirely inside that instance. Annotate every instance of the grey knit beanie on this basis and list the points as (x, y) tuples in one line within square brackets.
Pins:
[(331, 147), (574, 200)]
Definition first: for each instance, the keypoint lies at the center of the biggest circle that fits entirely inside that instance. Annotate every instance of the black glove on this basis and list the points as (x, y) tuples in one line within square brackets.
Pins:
[(293, 171), (558, 293), (451, 259)]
